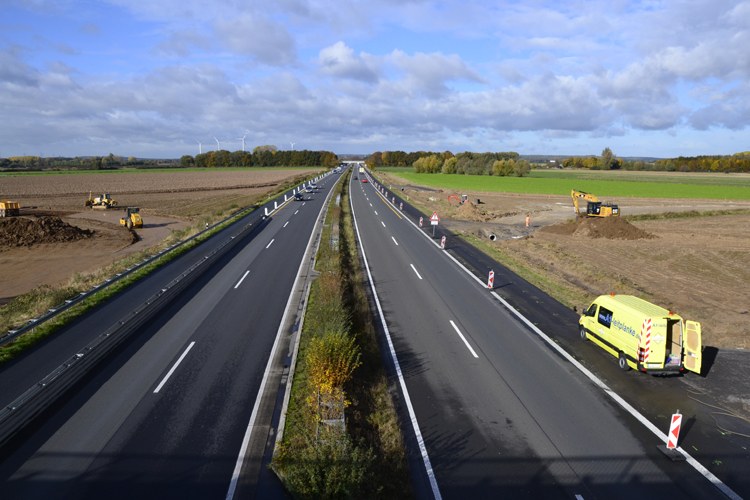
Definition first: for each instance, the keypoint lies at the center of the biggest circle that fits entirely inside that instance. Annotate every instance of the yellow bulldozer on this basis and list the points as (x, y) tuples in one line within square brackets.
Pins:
[(103, 201), (9, 208), (594, 207), (132, 218)]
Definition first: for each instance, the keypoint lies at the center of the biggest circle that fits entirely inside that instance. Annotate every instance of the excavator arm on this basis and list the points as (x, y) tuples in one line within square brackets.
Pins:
[(580, 194)]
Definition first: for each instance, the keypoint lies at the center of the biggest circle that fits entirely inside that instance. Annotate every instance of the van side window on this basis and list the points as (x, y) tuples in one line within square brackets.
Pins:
[(605, 317), (591, 311)]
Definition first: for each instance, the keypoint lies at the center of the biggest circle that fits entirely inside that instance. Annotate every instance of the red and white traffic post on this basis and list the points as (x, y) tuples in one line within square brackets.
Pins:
[(442, 243), (421, 221), (402, 205), (491, 280), (674, 431)]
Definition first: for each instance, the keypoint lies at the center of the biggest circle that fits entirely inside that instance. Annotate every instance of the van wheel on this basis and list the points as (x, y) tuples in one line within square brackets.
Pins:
[(582, 331), (623, 362)]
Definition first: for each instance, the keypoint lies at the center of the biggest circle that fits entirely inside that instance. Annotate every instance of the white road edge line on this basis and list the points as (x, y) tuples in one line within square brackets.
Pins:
[(241, 279), (269, 244), (404, 390), (174, 367), (287, 222), (415, 270), (256, 406), (635, 413), (394, 239), (463, 338)]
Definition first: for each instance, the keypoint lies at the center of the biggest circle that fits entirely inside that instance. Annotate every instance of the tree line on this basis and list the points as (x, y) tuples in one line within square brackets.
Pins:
[(79, 162), (261, 156), (466, 163), (738, 162)]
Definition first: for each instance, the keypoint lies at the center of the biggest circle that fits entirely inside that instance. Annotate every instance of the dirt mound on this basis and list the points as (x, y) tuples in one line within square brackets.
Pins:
[(469, 211), (19, 231), (611, 228)]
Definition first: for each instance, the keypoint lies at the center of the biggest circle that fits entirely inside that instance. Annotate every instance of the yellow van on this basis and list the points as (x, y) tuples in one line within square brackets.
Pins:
[(642, 335)]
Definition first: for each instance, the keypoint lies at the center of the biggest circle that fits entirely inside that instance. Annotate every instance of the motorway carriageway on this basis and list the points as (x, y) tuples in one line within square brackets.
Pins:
[(490, 410), (167, 413)]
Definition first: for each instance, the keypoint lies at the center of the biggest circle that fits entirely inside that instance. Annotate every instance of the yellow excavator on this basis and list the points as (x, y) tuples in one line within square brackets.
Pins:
[(594, 208), (132, 218)]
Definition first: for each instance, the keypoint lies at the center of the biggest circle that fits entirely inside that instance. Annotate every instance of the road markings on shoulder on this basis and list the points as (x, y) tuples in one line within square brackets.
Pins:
[(169, 374), (241, 279), (287, 222), (394, 239), (382, 223), (463, 338), (270, 243), (415, 270)]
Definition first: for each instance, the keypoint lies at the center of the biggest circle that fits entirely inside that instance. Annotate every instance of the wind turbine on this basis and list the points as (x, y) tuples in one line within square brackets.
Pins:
[(292, 143), (200, 146), (243, 140), (217, 142)]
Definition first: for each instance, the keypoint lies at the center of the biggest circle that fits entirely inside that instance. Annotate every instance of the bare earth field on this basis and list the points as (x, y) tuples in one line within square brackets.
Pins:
[(168, 201), (698, 267)]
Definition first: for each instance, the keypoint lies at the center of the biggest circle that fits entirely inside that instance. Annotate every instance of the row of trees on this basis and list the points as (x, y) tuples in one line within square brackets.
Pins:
[(466, 163), (78, 163), (739, 162), (262, 156)]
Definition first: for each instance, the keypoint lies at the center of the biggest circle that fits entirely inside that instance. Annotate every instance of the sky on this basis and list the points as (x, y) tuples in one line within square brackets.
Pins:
[(153, 78)]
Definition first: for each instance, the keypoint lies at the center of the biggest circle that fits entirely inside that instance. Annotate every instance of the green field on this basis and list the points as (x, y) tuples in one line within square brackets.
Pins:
[(151, 170), (552, 184)]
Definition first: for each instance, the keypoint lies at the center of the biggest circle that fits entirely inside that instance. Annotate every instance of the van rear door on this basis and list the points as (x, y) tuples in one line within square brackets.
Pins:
[(691, 343)]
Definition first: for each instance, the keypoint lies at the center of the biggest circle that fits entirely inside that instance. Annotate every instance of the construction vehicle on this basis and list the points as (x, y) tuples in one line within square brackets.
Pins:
[(132, 218), (464, 199), (595, 208), (103, 201), (9, 208)]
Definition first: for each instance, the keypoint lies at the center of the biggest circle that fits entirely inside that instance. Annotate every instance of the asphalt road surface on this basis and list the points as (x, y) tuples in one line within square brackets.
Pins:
[(501, 414), (166, 413)]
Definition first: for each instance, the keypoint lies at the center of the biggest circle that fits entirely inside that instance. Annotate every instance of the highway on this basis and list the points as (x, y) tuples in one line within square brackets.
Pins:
[(167, 413), (499, 412)]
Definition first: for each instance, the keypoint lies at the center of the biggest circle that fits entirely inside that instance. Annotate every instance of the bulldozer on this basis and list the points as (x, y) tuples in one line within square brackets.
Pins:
[(103, 201), (9, 208), (594, 208), (132, 218)]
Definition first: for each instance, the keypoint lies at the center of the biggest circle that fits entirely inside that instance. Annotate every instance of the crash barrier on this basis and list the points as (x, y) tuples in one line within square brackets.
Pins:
[(14, 416), (33, 323)]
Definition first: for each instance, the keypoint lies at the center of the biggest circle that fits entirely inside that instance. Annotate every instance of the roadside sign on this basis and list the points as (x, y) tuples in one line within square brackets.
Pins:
[(421, 220), (674, 431), (434, 219), (491, 281)]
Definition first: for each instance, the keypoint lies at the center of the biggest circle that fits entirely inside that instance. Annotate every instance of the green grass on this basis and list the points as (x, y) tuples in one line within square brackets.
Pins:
[(152, 170), (695, 178), (563, 186)]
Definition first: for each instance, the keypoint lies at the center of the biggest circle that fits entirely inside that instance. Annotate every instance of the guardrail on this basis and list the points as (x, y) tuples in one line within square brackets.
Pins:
[(17, 414), (33, 323)]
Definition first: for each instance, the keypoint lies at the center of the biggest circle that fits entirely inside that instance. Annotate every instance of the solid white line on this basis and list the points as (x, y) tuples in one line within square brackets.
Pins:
[(254, 414), (463, 338), (243, 277), (382, 223), (404, 390), (269, 244), (415, 270), (635, 413), (169, 374), (287, 222), (295, 213), (394, 239)]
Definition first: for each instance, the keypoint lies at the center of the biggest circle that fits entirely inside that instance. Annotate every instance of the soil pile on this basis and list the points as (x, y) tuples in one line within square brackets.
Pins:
[(469, 211), (611, 228), (18, 231)]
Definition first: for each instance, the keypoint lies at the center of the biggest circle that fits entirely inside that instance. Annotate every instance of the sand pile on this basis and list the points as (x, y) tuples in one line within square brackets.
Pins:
[(469, 211), (611, 228), (19, 231)]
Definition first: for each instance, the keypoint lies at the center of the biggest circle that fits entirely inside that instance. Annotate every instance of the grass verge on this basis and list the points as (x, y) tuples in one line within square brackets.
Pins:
[(366, 460), (39, 300), (684, 215)]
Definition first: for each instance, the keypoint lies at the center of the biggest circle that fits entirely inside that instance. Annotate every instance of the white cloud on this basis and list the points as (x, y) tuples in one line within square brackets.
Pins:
[(339, 60), (258, 38)]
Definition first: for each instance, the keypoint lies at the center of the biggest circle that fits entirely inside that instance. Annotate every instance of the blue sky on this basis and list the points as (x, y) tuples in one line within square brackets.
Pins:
[(150, 78)]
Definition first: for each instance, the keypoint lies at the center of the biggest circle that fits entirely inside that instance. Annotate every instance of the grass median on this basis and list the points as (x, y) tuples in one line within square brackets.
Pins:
[(339, 374)]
